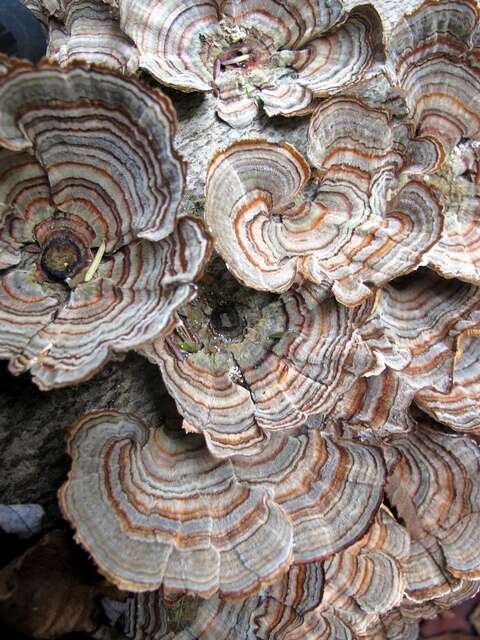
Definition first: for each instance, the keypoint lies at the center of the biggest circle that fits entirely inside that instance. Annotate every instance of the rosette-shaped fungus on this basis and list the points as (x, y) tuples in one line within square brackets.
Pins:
[(243, 364), (433, 358), (283, 53), (86, 31), (358, 584), (168, 513), (434, 61), (359, 230), (339, 599), (435, 488), (93, 258)]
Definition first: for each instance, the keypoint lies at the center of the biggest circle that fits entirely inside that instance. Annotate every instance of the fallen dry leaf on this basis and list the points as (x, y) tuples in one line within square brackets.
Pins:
[(51, 590)]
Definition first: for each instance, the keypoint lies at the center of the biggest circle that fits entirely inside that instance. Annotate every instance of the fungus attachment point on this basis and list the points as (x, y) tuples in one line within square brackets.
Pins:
[(61, 259), (226, 321), (243, 56)]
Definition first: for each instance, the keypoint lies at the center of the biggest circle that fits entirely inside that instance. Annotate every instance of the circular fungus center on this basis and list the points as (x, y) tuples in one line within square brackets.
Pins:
[(241, 57), (226, 321), (61, 258)]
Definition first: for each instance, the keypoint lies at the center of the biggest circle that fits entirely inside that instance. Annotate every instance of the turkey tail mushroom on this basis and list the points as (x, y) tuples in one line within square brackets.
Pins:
[(360, 230), (281, 54), (434, 486), (167, 513), (296, 357), (418, 328), (431, 59), (233, 526), (91, 186)]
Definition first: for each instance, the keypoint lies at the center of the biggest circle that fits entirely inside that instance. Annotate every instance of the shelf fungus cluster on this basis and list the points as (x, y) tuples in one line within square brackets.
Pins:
[(179, 517), (93, 256), (323, 480), (282, 55), (370, 219), (242, 365)]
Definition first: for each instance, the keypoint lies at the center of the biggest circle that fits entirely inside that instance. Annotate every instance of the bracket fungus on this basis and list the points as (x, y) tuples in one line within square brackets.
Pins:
[(343, 597), (242, 365), (428, 322), (434, 486), (433, 59), (93, 256), (366, 224), (282, 53), (168, 513), (340, 599), (86, 31)]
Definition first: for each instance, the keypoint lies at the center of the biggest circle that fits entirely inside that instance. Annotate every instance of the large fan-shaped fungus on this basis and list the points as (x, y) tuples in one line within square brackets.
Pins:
[(243, 364), (279, 53), (434, 486), (93, 257), (427, 321), (167, 512), (360, 229), (433, 59)]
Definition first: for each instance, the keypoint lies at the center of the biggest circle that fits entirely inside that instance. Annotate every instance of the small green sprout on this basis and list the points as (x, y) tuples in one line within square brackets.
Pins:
[(185, 346), (281, 334), (92, 269)]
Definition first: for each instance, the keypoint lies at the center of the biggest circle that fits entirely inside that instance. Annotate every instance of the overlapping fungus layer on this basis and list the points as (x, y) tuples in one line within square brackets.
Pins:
[(280, 54), (178, 517), (325, 481), (366, 224)]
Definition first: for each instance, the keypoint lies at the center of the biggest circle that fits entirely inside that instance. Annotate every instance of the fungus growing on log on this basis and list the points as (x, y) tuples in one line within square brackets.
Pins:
[(432, 58), (427, 321), (361, 228), (242, 365), (93, 255), (85, 31), (168, 513), (282, 54), (434, 486)]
